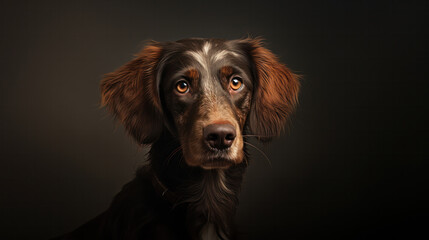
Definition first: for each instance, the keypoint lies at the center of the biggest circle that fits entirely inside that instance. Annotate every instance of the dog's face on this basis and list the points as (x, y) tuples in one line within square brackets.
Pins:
[(206, 89), (206, 92)]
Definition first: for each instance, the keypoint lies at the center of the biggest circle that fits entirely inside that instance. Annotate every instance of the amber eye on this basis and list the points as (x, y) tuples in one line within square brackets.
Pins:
[(182, 87), (235, 83)]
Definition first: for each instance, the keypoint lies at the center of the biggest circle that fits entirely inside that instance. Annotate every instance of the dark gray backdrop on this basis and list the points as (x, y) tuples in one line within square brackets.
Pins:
[(352, 165)]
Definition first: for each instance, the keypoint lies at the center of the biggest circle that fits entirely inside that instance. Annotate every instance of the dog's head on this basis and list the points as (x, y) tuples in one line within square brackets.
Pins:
[(206, 93)]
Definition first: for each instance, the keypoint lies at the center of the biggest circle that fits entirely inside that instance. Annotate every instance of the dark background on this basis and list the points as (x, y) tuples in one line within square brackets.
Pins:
[(352, 166)]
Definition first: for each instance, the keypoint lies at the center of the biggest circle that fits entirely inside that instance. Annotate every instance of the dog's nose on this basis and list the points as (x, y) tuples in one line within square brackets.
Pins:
[(219, 136)]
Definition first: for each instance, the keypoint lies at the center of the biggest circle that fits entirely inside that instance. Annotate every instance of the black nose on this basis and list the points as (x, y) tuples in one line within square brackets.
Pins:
[(219, 136)]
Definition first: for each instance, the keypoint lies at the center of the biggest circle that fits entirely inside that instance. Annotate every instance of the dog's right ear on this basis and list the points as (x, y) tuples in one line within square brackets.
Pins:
[(131, 94)]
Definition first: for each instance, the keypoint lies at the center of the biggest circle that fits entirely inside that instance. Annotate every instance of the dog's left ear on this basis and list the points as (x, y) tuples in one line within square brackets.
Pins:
[(131, 94), (275, 94)]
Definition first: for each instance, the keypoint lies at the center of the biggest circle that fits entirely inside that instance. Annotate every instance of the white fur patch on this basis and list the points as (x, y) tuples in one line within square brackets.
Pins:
[(206, 48), (199, 57), (202, 56), (220, 55)]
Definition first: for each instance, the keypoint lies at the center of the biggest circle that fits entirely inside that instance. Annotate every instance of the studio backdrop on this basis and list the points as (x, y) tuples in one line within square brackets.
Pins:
[(352, 163)]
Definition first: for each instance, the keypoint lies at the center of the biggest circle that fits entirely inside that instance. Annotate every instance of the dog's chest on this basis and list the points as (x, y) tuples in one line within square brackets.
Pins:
[(209, 233)]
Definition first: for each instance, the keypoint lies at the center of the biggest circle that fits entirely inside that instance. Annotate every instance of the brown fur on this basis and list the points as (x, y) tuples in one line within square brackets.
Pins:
[(131, 94), (276, 95), (192, 74)]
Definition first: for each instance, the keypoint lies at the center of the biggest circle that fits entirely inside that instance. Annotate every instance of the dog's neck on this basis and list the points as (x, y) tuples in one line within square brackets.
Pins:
[(210, 196)]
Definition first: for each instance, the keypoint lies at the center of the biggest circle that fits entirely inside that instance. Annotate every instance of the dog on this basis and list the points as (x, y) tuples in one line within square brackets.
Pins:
[(195, 101)]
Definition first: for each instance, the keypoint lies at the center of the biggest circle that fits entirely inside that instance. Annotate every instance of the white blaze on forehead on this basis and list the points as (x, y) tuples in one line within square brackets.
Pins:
[(202, 56), (199, 57), (206, 48), (220, 55)]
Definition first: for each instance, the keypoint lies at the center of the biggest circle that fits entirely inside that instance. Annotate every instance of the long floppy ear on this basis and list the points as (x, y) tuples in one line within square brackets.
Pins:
[(131, 94), (275, 95)]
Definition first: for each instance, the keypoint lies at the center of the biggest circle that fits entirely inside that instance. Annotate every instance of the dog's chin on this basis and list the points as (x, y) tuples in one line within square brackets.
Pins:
[(212, 159), (217, 163)]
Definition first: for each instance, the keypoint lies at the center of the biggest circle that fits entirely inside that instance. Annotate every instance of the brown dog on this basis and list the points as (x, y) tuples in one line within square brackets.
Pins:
[(194, 101)]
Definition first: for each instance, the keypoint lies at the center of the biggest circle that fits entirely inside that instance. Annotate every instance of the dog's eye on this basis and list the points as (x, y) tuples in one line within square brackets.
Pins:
[(182, 87), (235, 83)]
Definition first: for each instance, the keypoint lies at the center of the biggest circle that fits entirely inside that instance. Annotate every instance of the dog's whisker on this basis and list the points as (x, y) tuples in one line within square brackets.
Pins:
[(260, 136), (246, 158), (260, 151), (179, 162), (172, 154)]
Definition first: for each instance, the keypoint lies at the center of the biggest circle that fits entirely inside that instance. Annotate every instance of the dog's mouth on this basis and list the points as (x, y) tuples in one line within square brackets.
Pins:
[(202, 154), (216, 163)]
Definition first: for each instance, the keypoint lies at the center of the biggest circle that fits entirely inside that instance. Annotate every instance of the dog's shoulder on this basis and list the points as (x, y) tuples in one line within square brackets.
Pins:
[(136, 211)]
